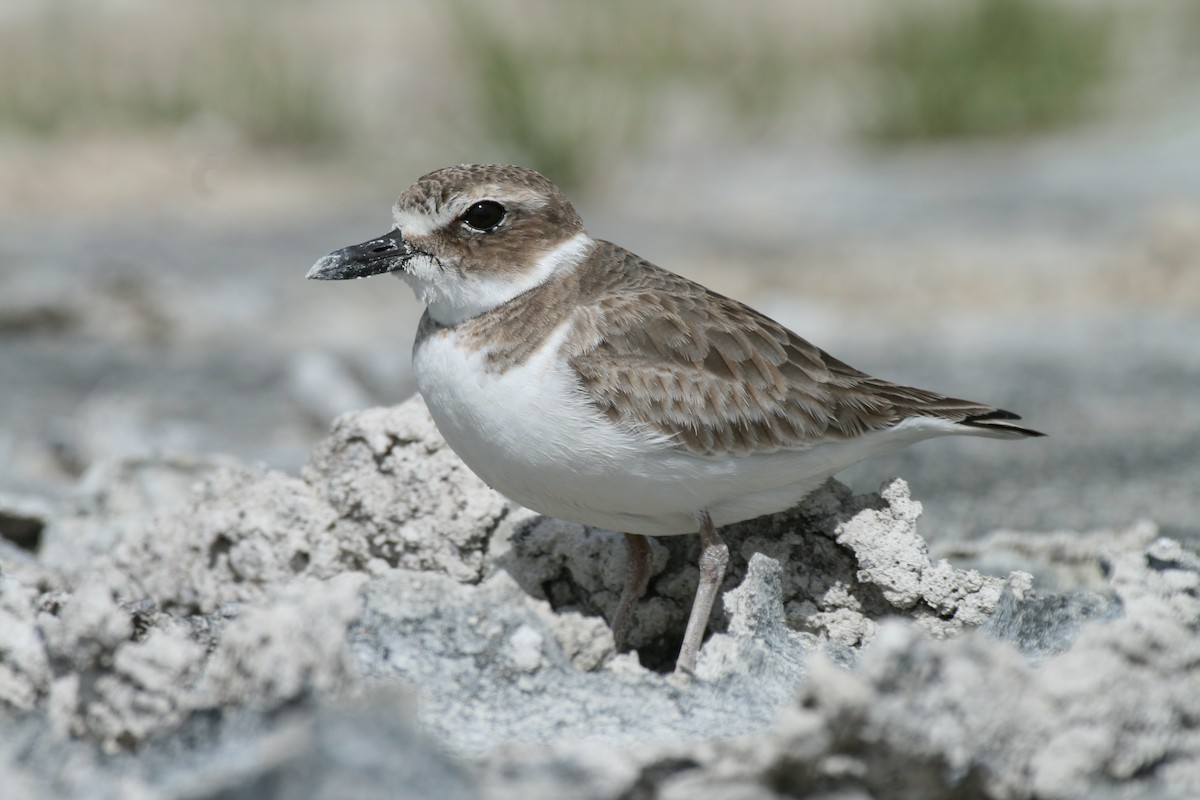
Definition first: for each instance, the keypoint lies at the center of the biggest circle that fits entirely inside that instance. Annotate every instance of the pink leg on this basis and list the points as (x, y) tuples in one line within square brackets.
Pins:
[(714, 556)]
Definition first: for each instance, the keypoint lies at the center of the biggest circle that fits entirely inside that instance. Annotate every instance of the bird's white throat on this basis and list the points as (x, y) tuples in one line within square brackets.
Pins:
[(454, 294)]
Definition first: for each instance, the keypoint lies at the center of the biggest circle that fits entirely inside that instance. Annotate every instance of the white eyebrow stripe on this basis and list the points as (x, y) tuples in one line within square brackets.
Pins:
[(424, 219), (418, 223)]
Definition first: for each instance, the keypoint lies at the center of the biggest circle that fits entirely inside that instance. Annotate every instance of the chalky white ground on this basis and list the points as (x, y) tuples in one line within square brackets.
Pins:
[(226, 634)]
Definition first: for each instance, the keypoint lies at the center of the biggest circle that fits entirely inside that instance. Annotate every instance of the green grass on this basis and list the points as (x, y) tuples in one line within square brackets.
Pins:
[(67, 71), (987, 68)]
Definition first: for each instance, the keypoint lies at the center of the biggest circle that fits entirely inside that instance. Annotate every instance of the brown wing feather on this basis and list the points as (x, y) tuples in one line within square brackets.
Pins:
[(657, 352)]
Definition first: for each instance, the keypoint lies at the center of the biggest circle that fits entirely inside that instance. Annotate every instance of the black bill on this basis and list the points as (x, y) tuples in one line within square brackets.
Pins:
[(383, 254)]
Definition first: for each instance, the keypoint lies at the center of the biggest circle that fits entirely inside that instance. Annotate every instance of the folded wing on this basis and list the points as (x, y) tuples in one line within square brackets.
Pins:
[(661, 354)]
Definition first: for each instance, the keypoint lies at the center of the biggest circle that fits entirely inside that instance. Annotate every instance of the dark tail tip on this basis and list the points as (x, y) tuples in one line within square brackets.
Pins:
[(999, 420)]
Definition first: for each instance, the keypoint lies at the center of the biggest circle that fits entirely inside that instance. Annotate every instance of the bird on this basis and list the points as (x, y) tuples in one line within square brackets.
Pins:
[(585, 383)]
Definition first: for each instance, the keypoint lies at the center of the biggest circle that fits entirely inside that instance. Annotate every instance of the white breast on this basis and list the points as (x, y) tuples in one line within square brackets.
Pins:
[(529, 432)]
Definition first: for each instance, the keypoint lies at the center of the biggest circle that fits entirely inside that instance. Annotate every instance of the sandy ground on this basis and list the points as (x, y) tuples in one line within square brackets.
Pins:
[(387, 626)]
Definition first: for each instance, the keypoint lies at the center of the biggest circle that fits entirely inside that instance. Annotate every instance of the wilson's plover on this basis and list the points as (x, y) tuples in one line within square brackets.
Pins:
[(588, 384)]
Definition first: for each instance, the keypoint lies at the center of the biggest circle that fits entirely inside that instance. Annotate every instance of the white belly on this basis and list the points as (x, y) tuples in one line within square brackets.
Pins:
[(532, 435)]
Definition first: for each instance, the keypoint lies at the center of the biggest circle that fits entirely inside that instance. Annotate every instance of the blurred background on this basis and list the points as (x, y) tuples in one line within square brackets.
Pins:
[(998, 200)]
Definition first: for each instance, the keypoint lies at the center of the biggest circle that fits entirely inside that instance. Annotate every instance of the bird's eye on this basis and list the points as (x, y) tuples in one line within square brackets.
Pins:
[(484, 216)]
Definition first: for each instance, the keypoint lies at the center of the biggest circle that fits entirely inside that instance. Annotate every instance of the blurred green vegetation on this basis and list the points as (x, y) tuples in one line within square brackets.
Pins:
[(569, 88), (61, 75), (986, 68), (576, 83)]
